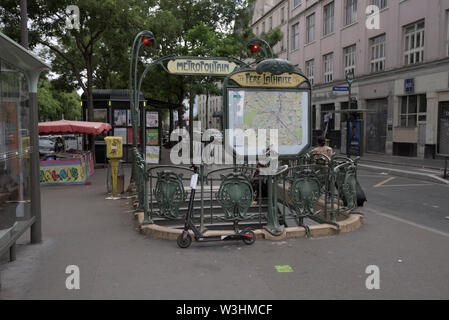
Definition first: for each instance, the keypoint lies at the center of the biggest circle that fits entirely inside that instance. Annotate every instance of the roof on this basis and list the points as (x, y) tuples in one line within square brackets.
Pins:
[(111, 94), (123, 95), (23, 59), (67, 126)]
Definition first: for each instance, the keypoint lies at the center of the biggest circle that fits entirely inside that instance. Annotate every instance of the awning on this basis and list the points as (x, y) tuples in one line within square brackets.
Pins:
[(67, 126)]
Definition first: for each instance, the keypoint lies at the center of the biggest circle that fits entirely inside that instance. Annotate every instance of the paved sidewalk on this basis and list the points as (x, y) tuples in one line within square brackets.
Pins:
[(435, 164), (81, 228)]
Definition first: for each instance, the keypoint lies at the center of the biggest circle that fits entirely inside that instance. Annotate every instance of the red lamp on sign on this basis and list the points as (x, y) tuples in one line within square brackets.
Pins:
[(254, 48), (255, 45), (147, 41)]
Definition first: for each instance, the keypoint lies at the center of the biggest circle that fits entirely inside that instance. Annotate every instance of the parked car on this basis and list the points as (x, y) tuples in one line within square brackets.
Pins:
[(46, 146), (50, 144)]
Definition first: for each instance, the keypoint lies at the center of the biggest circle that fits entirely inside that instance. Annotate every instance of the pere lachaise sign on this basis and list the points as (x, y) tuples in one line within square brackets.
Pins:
[(267, 79), (201, 66)]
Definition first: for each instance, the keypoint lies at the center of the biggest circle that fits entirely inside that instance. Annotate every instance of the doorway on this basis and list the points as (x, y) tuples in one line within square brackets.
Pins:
[(443, 128), (376, 125)]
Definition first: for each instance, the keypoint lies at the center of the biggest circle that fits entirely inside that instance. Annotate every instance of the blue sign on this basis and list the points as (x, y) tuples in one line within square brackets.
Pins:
[(354, 138), (409, 86), (341, 88)]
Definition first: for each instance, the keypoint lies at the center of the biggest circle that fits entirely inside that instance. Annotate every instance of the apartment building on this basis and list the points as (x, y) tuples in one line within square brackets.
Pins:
[(401, 66), (213, 118)]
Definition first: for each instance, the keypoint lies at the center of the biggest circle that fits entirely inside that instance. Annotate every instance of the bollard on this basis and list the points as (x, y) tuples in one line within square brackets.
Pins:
[(445, 167)]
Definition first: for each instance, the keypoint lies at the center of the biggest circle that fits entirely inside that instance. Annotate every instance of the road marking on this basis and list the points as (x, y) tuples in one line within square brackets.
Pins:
[(368, 175), (408, 185), (285, 268), (384, 182), (413, 224), (406, 172)]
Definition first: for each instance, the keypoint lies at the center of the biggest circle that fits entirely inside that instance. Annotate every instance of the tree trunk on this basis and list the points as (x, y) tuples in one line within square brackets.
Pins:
[(23, 23), (171, 125), (90, 103)]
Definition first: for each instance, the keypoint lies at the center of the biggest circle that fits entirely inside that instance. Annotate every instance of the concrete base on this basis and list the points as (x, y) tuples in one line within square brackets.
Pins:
[(351, 223)]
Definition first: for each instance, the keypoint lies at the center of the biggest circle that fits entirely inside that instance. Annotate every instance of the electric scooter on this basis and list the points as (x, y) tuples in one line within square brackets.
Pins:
[(185, 239)]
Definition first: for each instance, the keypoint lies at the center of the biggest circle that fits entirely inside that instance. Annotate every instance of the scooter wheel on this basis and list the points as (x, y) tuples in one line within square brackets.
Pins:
[(184, 242), (249, 237)]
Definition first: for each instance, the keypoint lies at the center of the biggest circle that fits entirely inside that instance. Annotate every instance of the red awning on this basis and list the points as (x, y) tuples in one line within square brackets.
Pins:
[(68, 126)]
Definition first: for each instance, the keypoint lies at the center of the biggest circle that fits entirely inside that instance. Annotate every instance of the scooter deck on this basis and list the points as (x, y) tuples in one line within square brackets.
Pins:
[(231, 237)]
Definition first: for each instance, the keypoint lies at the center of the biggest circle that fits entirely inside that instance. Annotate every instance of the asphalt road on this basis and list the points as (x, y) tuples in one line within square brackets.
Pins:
[(399, 236), (416, 201)]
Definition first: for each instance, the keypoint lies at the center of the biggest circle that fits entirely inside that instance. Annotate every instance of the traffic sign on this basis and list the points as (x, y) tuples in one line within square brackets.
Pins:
[(341, 88)]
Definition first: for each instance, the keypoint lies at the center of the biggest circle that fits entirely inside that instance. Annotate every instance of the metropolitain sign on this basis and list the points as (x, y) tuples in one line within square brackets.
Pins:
[(198, 66)]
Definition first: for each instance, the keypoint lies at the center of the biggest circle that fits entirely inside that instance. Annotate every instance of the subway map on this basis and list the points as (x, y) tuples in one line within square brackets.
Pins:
[(282, 110)]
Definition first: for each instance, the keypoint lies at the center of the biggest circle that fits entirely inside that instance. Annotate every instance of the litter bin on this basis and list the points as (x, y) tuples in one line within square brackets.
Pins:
[(120, 178)]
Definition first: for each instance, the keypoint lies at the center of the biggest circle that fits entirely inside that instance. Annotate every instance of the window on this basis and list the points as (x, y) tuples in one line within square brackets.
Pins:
[(414, 43), (15, 150), (257, 30), (270, 22), (379, 3), (377, 53), (350, 11), (282, 15), (296, 3), (329, 68), (310, 70), (311, 28), (295, 36), (413, 110), (263, 27), (349, 56), (328, 18)]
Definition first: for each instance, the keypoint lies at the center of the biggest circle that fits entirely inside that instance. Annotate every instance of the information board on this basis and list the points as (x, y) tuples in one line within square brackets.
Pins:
[(284, 110)]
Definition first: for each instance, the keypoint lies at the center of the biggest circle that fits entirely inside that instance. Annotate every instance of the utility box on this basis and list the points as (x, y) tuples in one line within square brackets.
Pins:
[(114, 147)]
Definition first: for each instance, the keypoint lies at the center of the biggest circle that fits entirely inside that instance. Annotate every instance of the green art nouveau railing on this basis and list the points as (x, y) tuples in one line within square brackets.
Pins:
[(314, 187)]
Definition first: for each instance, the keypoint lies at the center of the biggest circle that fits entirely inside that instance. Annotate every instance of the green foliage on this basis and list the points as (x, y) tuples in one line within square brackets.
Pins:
[(97, 55), (55, 104)]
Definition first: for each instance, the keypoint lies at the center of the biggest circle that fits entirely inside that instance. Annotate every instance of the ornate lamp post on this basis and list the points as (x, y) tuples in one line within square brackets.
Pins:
[(144, 38)]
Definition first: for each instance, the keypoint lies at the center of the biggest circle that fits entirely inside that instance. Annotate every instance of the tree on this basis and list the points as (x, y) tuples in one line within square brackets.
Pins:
[(105, 26), (56, 104)]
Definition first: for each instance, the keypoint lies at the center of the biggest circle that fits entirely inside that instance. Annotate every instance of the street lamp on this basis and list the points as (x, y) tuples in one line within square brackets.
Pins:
[(350, 80), (144, 38)]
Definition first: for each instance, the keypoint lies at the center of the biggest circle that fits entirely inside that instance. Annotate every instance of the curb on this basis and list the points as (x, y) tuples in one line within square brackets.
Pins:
[(408, 174), (352, 223), (403, 164)]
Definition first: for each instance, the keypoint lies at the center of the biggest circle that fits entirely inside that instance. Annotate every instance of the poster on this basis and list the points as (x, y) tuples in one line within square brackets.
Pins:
[(354, 138), (152, 155), (130, 136), (152, 138), (120, 132), (152, 119), (120, 118), (130, 123), (101, 115)]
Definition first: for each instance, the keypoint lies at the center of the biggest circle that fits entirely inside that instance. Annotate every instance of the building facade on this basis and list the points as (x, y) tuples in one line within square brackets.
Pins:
[(209, 111), (399, 55)]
